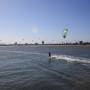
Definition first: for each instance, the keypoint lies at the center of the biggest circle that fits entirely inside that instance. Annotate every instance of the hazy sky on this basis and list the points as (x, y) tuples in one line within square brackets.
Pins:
[(37, 20)]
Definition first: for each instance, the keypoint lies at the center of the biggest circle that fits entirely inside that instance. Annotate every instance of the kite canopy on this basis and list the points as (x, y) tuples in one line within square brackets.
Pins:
[(65, 33)]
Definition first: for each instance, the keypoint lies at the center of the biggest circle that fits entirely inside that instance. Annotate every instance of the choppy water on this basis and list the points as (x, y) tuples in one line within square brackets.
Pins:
[(29, 68)]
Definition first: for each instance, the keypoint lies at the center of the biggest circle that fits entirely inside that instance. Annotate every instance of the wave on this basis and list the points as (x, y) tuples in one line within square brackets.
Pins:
[(23, 52), (67, 58), (71, 58)]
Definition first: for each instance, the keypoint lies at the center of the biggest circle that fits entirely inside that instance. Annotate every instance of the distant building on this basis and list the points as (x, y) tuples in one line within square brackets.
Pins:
[(26, 43), (15, 43), (81, 42), (36, 43), (42, 42)]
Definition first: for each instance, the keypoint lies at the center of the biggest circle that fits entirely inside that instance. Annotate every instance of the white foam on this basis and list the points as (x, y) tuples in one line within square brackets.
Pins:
[(58, 57), (71, 58)]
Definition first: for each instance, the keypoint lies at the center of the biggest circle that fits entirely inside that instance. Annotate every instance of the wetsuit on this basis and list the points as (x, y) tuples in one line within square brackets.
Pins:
[(49, 54)]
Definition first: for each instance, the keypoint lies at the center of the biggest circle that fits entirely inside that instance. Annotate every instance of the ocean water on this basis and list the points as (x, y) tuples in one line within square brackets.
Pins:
[(30, 68)]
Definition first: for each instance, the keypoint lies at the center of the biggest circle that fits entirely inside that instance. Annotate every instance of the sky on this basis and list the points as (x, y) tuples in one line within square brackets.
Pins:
[(36, 20)]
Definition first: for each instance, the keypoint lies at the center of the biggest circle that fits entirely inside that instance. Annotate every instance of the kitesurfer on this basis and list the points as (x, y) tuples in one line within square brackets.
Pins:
[(49, 54)]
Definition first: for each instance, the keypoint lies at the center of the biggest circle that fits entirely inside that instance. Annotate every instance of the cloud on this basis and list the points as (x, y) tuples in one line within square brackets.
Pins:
[(35, 30)]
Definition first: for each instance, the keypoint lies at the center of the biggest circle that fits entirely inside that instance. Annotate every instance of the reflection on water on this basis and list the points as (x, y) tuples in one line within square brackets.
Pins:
[(29, 68)]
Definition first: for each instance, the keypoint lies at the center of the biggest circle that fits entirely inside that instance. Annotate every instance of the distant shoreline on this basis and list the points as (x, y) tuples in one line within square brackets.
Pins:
[(46, 45)]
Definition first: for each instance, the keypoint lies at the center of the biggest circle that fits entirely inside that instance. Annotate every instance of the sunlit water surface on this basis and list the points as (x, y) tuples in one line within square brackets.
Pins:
[(30, 68)]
